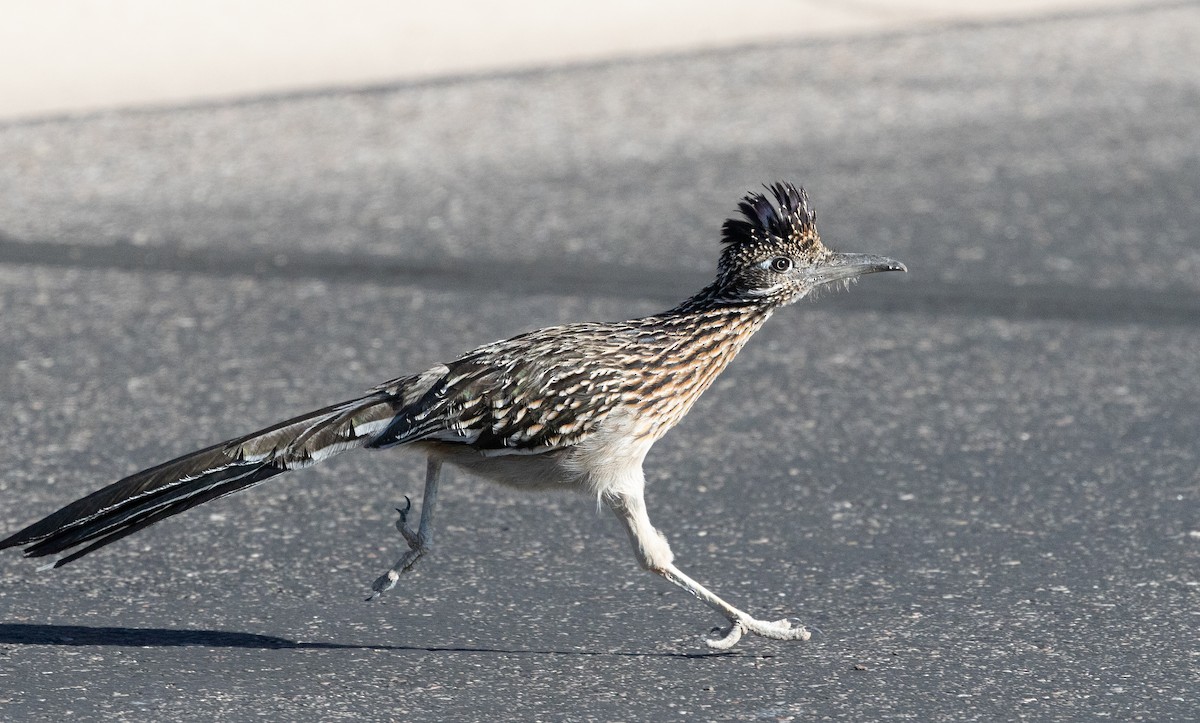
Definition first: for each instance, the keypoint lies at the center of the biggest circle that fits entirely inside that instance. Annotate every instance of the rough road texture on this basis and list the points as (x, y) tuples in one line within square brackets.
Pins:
[(983, 493)]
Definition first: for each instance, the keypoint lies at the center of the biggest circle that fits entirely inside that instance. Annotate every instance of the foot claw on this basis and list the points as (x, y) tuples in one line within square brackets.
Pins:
[(403, 521), (727, 641), (410, 536), (783, 629)]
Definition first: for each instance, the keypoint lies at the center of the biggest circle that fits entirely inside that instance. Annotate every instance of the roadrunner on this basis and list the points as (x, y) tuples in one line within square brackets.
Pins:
[(575, 406)]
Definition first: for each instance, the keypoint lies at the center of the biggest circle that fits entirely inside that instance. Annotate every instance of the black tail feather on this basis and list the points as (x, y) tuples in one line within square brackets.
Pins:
[(137, 512), (132, 504), (114, 498), (146, 497), (133, 523)]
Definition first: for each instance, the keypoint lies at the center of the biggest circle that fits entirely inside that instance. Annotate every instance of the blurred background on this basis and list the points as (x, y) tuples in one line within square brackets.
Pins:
[(979, 480), (101, 54)]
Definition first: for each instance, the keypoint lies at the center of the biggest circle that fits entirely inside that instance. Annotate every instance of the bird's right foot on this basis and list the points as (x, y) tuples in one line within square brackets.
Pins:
[(776, 630)]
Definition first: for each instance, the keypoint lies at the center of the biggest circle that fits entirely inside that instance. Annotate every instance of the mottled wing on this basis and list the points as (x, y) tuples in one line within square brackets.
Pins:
[(537, 392)]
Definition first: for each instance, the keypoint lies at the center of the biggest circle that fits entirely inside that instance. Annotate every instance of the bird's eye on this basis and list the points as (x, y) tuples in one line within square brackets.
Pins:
[(781, 264)]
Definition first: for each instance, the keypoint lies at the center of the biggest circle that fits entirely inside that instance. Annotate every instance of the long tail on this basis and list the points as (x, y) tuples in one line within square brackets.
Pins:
[(146, 497)]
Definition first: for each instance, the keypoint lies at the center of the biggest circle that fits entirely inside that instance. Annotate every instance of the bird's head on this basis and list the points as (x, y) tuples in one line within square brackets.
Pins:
[(774, 255)]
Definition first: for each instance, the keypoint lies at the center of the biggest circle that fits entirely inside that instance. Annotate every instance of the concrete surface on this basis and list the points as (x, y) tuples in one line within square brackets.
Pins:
[(978, 480), (88, 55)]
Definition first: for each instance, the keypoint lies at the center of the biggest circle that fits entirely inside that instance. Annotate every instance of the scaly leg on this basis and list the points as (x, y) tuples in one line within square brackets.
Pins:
[(420, 540), (654, 554)]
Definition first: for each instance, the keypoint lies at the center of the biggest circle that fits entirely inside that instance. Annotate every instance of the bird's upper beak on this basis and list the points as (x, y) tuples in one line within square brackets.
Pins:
[(838, 267)]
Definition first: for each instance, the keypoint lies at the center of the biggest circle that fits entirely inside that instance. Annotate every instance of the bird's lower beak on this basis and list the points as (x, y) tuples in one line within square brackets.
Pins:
[(839, 267)]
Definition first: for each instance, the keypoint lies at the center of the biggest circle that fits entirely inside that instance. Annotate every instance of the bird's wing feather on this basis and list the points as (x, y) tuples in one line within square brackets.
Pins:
[(514, 396)]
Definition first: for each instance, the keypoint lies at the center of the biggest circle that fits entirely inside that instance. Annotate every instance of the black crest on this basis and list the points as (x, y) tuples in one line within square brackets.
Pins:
[(789, 218)]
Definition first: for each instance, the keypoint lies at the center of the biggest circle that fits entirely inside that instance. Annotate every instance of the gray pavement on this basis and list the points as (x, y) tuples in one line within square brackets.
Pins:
[(100, 54), (979, 480)]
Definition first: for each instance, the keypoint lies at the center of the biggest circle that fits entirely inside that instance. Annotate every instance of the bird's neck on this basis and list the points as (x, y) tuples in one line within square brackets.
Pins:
[(721, 299), (717, 317), (695, 342)]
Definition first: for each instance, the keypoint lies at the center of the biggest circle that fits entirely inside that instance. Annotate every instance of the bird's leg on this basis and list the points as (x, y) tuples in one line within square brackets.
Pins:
[(419, 540), (654, 554)]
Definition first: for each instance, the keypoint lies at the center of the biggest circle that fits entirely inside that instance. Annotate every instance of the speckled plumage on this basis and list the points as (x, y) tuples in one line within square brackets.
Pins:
[(577, 405)]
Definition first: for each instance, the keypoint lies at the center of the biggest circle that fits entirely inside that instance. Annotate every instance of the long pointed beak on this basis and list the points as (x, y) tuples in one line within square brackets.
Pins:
[(849, 266)]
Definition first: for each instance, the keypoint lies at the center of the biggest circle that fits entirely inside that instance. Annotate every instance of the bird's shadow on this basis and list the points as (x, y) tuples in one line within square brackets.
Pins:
[(85, 635)]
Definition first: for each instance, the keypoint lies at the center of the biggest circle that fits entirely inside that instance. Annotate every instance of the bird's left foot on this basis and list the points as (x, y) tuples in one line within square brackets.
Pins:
[(778, 630), (417, 547)]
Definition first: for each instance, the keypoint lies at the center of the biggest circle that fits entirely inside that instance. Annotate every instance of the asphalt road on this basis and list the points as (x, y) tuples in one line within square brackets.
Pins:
[(979, 481)]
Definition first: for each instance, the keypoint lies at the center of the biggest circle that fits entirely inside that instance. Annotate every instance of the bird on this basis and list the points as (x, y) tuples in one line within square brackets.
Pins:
[(575, 406)]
